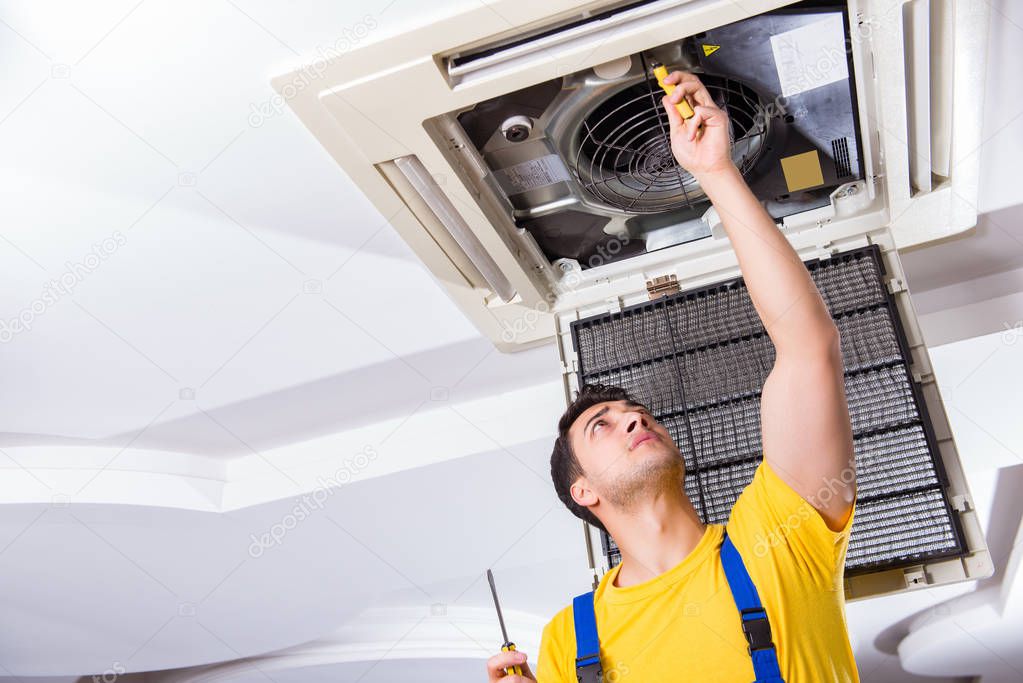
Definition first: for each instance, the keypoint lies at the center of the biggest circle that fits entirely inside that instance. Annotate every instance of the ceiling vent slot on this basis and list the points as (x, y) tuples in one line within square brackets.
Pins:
[(580, 25), (582, 32), (926, 32), (443, 210), (916, 37)]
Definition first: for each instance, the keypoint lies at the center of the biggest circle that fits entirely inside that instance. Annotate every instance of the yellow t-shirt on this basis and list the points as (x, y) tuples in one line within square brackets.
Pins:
[(684, 626)]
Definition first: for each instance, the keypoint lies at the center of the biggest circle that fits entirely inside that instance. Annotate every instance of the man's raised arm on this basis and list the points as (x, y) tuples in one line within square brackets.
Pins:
[(807, 436)]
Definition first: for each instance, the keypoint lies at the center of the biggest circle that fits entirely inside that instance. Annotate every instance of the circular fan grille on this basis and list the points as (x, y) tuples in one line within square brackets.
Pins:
[(623, 155)]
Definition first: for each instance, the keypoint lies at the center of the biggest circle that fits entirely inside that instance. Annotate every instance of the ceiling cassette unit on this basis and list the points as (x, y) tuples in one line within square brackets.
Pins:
[(521, 150)]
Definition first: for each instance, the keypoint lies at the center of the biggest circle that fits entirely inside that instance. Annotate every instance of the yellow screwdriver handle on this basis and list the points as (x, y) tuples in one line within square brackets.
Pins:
[(661, 72), (514, 668)]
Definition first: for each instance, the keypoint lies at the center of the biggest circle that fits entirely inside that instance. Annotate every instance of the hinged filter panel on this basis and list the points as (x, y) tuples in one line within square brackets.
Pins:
[(698, 360)]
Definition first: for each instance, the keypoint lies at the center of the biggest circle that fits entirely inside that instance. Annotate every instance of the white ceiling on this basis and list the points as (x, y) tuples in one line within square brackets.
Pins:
[(262, 324)]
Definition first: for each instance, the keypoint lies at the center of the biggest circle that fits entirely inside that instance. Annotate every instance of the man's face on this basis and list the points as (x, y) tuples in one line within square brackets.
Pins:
[(624, 452)]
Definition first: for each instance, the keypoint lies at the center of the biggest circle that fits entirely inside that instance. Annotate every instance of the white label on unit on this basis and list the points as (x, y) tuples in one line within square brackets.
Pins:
[(528, 175), (811, 56)]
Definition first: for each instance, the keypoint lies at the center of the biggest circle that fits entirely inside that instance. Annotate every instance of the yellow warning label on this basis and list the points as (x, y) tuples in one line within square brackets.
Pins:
[(708, 50)]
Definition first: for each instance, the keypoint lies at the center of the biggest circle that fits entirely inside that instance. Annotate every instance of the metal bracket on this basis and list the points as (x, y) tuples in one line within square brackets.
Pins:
[(895, 286), (663, 285), (961, 503), (915, 577)]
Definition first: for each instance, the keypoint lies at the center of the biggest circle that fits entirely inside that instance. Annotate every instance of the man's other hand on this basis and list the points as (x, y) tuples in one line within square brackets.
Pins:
[(505, 660)]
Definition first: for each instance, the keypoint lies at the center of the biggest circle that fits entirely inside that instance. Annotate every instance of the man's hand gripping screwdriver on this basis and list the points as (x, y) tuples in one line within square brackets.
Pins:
[(660, 73), (509, 659), (683, 107)]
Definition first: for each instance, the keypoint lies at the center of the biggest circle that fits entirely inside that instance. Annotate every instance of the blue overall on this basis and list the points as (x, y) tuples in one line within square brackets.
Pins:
[(755, 625)]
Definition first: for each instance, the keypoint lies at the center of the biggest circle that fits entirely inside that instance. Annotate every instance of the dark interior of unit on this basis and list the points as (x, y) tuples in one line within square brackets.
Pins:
[(622, 164), (698, 360)]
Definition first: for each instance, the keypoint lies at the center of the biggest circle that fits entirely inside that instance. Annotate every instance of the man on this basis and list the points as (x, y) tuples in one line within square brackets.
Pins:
[(666, 613)]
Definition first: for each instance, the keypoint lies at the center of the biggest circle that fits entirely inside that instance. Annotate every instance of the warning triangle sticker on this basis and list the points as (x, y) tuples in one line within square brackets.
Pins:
[(708, 50)]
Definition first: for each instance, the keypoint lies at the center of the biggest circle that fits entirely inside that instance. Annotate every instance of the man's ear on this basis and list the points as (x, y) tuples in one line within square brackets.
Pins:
[(582, 493)]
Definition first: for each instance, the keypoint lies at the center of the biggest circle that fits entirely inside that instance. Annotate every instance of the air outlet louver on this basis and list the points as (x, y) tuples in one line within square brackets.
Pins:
[(699, 359)]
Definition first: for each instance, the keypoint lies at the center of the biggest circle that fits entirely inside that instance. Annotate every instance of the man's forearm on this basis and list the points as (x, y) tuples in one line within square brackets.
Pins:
[(779, 284), (804, 418)]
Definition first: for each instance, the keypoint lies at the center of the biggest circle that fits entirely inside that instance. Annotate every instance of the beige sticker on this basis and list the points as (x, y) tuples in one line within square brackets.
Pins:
[(802, 171)]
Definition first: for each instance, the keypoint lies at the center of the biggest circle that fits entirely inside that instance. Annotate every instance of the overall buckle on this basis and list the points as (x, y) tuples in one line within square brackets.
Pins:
[(588, 669), (757, 629)]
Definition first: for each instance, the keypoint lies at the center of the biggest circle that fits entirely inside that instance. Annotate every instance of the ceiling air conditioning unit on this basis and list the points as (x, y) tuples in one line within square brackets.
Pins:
[(520, 148)]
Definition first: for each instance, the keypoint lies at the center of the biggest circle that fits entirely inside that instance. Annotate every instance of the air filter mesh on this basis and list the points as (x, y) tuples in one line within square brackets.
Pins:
[(698, 360)]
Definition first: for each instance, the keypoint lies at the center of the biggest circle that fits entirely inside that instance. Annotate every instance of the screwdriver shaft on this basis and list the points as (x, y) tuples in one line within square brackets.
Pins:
[(500, 617)]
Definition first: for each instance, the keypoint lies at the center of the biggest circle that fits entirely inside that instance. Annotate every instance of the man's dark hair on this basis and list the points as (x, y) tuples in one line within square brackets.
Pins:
[(565, 467)]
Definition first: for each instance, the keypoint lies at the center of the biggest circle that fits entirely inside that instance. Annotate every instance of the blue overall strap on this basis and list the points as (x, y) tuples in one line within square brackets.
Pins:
[(587, 645), (755, 625)]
